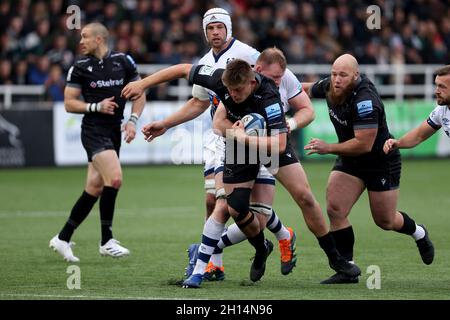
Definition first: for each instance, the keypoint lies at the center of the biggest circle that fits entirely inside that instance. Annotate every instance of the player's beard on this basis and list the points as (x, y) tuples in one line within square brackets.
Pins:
[(338, 99), (443, 102)]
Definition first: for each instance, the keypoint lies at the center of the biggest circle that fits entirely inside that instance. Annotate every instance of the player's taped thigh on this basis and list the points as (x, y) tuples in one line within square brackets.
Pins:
[(261, 208), (210, 186), (221, 194), (239, 200)]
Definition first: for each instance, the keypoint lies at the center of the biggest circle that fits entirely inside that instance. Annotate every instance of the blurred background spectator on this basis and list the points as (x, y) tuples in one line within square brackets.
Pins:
[(55, 83), (34, 38)]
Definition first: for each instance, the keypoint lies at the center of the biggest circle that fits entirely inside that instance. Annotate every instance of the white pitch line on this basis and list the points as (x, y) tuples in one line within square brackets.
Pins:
[(23, 295)]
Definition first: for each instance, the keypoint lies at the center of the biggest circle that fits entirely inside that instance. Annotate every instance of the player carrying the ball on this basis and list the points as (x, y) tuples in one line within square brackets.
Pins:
[(243, 91)]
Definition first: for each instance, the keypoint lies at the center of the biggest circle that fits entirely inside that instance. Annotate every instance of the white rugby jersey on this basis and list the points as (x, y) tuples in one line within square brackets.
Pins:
[(440, 118), (289, 88), (235, 50)]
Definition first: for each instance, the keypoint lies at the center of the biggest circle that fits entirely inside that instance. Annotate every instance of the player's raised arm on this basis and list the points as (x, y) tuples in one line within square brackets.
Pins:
[(135, 89)]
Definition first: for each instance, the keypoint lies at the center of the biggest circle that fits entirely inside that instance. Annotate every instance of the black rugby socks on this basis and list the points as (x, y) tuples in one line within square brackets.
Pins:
[(328, 245), (409, 226), (107, 204), (345, 240), (79, 212)]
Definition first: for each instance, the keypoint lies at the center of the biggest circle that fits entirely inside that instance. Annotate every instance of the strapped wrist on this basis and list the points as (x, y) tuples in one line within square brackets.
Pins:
[(133, 118), (292, 123), (93, 107)]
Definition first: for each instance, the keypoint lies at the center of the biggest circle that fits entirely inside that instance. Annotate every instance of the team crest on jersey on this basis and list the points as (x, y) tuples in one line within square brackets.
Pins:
[(117, 66), (273, 111), (206, 70), (229, 60), (364, 108)]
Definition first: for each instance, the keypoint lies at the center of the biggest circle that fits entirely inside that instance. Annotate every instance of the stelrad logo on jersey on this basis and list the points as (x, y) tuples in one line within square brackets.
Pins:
[(107, 83)]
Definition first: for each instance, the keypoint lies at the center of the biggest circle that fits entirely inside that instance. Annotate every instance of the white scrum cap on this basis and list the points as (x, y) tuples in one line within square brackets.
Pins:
[(217, 15)]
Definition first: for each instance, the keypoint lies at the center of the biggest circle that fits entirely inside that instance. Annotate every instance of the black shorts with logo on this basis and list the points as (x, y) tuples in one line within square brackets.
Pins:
[(380, 174), (239, 173), (97, 138)]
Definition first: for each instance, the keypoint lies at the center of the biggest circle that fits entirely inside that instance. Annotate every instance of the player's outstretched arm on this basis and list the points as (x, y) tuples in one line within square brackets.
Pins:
[(190, 110), (411, 138), (135, 89), (153, 130)]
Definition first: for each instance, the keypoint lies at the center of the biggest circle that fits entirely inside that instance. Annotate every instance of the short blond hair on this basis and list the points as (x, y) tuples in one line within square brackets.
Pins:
[(272, 55), (98, 29)]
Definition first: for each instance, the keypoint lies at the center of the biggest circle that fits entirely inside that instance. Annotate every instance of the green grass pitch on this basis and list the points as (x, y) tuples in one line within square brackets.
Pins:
[(160, 211)]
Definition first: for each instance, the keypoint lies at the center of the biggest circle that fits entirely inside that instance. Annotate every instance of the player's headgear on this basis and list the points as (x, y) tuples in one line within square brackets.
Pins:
[(217, 15)]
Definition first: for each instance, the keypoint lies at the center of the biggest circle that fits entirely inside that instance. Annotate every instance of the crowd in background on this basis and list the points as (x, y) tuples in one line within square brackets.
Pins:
[(36, 47)]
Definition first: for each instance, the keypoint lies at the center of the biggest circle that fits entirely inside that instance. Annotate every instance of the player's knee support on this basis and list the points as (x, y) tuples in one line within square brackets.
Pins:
[(261, 208), (239, 200)]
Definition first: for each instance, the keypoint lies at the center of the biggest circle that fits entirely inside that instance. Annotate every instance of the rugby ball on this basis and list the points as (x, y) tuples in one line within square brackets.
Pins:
[(254, 124)]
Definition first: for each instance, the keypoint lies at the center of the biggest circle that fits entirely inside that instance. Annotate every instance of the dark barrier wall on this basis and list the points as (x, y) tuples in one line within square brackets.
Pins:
[(26, 138)]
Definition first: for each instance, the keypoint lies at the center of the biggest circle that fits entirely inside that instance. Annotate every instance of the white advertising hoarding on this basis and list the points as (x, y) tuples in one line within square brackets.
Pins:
[(180, 145)]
